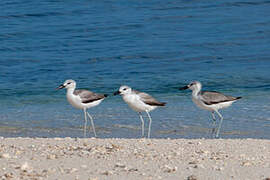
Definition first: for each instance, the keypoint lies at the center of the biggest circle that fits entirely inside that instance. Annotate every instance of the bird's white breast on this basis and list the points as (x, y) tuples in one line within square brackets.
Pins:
[(200, 104), (135, 103), (74, 100)]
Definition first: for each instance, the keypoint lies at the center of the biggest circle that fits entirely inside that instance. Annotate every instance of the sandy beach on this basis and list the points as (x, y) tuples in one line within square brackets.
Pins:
[(95, 159)]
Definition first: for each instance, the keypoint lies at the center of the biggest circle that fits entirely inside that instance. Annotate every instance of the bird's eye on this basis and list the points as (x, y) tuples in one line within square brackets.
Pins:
[(125, 89), (69, 83)]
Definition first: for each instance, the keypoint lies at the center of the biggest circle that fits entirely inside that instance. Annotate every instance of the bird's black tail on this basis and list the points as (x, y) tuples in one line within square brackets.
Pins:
[(162, 104)]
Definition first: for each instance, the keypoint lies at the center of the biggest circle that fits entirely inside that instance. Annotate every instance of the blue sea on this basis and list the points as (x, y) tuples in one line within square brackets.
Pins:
[(155, 46)]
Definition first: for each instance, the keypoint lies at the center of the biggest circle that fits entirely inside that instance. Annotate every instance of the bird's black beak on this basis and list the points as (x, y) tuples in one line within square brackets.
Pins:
[(60, 87), (116, 93), (184, 88)]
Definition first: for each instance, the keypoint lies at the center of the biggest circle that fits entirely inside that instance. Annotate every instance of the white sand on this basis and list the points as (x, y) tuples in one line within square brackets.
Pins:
[(67, 158)]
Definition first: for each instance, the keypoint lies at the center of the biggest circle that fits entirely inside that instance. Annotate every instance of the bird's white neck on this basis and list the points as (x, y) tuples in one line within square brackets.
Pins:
[(124, 96), (70, 90), (196, 92), (128, 97)]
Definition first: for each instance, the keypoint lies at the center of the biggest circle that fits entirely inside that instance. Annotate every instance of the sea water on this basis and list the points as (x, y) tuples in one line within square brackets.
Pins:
[(154, 46)]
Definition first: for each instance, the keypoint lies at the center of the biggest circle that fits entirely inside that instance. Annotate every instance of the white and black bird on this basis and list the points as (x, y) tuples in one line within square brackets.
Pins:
[(210, 100), (139, 102), (82, 99)]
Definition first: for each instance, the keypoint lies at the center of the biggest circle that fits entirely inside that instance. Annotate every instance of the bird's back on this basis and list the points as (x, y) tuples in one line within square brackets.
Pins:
[(148, 99), (213, 97), (88, 96)]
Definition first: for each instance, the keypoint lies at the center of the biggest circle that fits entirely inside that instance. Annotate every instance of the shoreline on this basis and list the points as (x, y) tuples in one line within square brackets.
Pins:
[(95, 159)]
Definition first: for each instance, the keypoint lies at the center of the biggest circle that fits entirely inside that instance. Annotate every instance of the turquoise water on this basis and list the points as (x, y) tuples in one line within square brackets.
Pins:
[(152, 46)]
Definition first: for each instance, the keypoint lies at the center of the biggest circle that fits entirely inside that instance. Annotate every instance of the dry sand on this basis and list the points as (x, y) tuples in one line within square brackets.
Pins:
[(95, 159)]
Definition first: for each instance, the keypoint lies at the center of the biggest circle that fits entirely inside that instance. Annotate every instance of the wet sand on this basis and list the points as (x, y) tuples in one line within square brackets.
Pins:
[(95, 159)]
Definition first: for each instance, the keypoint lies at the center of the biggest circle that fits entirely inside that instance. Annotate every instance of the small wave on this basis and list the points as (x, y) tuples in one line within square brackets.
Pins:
[(126, 126), (31, 15)]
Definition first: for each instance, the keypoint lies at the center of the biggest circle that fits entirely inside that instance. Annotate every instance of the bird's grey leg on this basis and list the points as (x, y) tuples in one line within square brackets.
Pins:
[(219, 126), (92, 122), (85, 123), (150, 122), (214, 122), (140, 114)]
